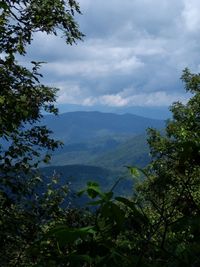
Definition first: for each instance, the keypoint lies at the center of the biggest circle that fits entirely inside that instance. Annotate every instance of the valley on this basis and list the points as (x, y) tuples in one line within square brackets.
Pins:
[(98, 147)]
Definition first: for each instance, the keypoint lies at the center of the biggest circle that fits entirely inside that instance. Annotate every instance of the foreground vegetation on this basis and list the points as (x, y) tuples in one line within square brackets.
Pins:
[(157, 226)]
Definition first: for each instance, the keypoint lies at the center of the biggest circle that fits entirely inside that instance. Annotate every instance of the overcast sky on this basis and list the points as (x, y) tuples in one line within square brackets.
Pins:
[(133, 53)]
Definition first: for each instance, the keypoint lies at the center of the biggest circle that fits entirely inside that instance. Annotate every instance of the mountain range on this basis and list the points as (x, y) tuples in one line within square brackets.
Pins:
[(98, 146), (75, 127), (153, 112)]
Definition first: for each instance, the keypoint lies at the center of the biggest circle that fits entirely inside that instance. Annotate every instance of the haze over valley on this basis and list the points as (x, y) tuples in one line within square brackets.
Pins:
[(98, 146)]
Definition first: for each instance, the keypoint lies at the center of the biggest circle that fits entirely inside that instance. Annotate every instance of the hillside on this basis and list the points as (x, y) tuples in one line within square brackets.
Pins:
[(109, 153), (76, 127), (76, 176), (98, 146), (134, 151), (101, 139)]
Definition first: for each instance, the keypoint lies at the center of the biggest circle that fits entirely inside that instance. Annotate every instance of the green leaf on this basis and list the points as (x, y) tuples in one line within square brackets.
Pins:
[(3, 5), (126, 202), (107, 196), (74, 257), (80, 193), (65, 235), (95, 203), (2, 99), (132, 206), (46, 158), (118, 214), (93, 190), (112, 212), (134, 171)]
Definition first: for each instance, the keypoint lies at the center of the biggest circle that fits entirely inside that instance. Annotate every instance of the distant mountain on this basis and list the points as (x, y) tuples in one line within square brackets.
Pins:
[(98, 146), (78, 127), (101, 139), (161, 113)]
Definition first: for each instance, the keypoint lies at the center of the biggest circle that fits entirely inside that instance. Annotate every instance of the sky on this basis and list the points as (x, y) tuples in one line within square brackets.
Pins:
[(132, 55)]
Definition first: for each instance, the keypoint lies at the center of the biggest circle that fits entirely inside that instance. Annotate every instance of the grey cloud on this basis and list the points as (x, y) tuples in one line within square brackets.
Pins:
[(134, 50), (130, 18)]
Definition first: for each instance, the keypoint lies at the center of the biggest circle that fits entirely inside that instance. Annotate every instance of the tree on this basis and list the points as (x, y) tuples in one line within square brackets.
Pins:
[(173, 186), (22, 101), (22, 97)]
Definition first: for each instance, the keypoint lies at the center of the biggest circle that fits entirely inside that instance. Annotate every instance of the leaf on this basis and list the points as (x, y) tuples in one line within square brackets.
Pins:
[(113, 212), (65, 235), (134, 171), (80, 193), (95, 203), (46, 158), (2, 99), (93, 190), (3, 5), (118, 214), (92, 184), (130, 204), (74, 257), (185, 222), (108, 196), (126, 202)]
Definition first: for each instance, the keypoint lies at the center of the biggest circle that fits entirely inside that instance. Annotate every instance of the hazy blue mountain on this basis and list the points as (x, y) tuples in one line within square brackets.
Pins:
[(101, 139), (98, 146), (76, 127), (161, 113)]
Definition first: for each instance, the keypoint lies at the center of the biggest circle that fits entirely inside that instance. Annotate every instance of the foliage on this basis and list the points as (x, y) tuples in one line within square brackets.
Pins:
[(22, 97), (25, 220), (173, 185)]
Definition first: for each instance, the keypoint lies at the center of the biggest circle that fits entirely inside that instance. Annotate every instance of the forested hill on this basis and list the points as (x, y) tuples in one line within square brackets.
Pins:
[(98, 146), (80, 126), (112, 152), (101, 139)]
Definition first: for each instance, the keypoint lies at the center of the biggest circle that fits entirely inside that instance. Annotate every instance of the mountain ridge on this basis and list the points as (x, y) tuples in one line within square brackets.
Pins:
[(79, 126)]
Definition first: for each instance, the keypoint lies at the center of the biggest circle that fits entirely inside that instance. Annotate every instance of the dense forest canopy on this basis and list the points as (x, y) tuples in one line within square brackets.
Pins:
[(157, 226)]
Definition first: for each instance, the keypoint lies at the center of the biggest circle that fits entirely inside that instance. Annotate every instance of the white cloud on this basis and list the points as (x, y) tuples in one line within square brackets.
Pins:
[(133, 53), (156, 99), (69, 93), (191, 15), (75, 95), (103, 61), (113, 100)]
